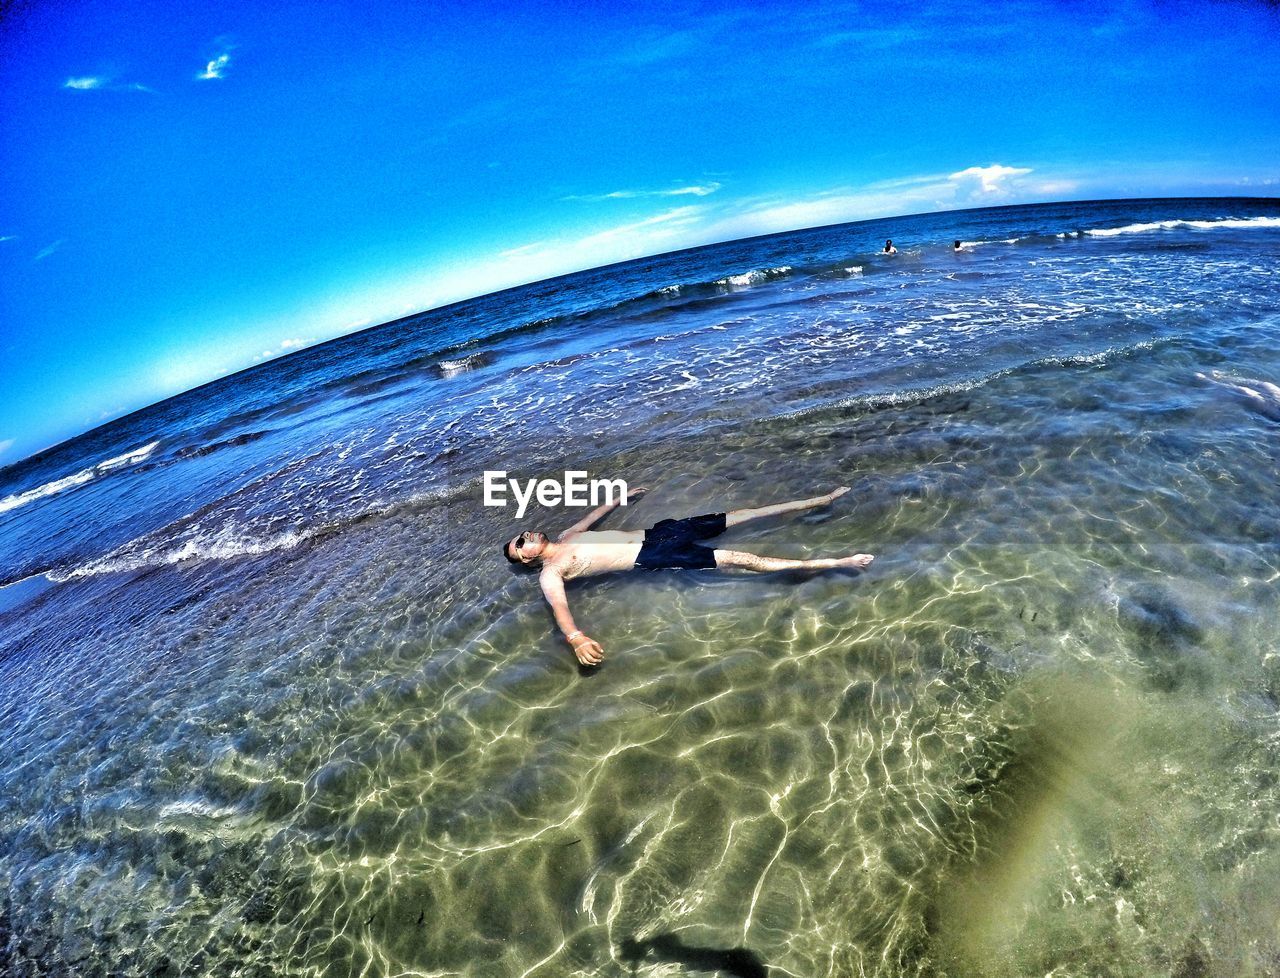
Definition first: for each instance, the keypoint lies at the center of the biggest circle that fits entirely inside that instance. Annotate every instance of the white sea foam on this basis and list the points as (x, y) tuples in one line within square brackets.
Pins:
[(753, 277), (77, 479), (907, 396), (1240, 223), (978, 244), (1245, 223), (451, 368), (128, 458), (221, 545), (166, 547), (48, 489)]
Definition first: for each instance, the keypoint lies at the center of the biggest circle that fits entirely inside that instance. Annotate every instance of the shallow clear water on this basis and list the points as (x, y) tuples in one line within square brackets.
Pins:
[(271, 703)]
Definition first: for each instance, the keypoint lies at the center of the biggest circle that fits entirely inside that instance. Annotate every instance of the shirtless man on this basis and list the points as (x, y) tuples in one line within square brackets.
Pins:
[(1261, 395), (670, 544)]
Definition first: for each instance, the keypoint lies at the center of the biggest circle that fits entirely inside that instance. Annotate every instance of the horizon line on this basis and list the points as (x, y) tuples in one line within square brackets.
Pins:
[(248, 368)]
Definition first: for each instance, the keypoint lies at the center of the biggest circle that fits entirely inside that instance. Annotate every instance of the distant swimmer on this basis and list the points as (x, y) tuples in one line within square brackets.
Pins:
[(667, 545), (957, 246), (889, 249), (1261, 395)]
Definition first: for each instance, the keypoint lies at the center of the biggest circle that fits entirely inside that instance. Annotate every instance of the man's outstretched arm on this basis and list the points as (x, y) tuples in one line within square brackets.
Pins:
[(600, 512), (587, 649)]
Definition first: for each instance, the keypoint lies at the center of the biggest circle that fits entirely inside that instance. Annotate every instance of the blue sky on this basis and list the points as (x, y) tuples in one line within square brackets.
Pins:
[(187, 189)]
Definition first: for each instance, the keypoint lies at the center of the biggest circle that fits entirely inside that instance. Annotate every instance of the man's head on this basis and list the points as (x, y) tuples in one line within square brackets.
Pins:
[(525, 550)]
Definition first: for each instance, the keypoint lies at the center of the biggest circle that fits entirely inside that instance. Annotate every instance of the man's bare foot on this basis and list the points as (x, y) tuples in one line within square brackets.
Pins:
[(857, 561)]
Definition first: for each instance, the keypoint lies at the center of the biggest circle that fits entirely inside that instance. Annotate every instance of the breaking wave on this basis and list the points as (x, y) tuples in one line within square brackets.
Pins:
[(191, 539), (460, 365), (1236, 223), (77, 479), (224, 544), (753, 277), (704, 289), (1239, 223)]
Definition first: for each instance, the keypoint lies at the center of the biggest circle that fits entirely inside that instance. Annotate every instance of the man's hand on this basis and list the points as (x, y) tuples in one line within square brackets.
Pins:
[(835, 494), (633, 494), (587, 650)]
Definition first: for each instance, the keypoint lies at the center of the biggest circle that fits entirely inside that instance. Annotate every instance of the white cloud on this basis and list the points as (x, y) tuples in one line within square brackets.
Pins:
[(672, 229), (298, 343), (768, 217), (679, 227), (8, 237), (48, 250), (522, 250), (667, 221), (987, 180), (694, 190), (181, 368), (6, 445), (600, 247), (215, 67), (1050, 188), (662, 47), (102, 84), (906, 195), (878, 39)]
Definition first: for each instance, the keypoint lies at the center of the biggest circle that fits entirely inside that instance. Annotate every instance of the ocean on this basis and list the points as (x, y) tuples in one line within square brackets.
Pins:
[(272, 703)]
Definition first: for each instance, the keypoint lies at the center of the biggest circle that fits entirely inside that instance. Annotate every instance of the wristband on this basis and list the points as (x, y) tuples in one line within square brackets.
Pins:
[(571, 636)]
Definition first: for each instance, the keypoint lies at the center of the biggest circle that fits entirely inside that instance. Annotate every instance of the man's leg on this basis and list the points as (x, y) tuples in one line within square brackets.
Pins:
[(727, 559), (1268, 388), (1269, 393), (1248, 393), (742, 515)]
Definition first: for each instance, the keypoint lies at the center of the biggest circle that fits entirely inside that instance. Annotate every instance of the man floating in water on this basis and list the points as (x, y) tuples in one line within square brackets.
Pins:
[(669, 544), (1261, 395)]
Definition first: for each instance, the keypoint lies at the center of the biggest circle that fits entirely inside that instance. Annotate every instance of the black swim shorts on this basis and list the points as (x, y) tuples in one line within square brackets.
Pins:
[(669, 544)]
